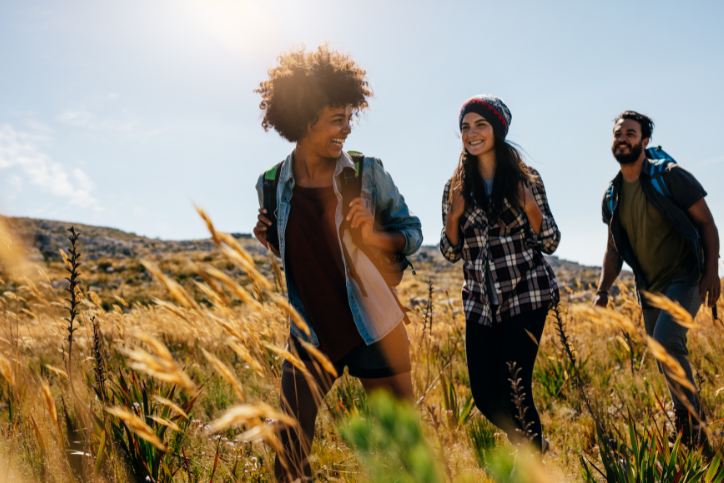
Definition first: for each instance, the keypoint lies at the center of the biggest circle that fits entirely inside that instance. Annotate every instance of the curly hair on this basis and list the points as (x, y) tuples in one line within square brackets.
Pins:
[(304, 83)]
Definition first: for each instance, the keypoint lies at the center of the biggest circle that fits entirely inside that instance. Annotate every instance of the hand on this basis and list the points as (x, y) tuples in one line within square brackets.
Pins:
[(601, 300), (526, 196), (710, 284), (261, 226), (360, 216), (457, 207)]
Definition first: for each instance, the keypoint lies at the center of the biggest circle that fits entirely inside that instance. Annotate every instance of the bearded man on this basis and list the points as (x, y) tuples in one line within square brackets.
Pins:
[(667, 235)]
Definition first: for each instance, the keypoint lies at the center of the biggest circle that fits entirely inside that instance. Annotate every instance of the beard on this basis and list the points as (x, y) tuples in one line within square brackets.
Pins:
[(630, 158)]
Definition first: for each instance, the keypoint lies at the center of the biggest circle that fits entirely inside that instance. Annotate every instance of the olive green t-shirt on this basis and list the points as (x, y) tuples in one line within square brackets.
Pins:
[(660, 250)]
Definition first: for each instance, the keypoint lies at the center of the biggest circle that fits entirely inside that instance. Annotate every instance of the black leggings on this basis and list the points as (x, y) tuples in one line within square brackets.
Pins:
[(489, 349)]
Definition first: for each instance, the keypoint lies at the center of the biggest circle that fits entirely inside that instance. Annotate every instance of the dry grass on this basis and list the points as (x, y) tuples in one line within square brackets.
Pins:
[(214, 339)]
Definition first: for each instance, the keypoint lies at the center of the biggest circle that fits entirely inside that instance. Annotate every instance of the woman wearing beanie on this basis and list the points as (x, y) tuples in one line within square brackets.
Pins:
[(497, 219)]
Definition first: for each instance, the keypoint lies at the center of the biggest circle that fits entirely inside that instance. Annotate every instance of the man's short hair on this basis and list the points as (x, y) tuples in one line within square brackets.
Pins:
[(647, 125), (306, 82)]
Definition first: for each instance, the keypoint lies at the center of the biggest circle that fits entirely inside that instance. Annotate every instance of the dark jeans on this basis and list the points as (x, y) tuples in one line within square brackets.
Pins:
[(672, 336), (489, 349)]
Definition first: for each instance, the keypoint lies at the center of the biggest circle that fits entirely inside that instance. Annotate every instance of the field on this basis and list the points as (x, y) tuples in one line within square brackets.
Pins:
[(173, 374)]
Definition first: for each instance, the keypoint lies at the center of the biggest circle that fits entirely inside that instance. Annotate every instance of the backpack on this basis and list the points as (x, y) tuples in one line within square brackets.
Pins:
[(390, 265), (659, 161)]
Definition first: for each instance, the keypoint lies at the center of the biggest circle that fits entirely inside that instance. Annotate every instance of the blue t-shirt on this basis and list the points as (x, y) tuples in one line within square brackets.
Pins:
[(493, 296), (488, 186)]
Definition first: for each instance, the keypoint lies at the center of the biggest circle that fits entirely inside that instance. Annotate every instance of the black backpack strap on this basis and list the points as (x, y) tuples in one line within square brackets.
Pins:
[(270, 184)]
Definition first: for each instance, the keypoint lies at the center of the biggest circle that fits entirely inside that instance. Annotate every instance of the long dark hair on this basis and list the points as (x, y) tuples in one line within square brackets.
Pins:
[(510, 171)]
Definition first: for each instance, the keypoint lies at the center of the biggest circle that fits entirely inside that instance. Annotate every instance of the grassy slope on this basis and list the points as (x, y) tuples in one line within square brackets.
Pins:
[(34, 338)]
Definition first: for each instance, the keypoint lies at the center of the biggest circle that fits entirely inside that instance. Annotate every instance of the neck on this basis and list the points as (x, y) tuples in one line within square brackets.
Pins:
[(631, 172), (310, 166), (486, 164)]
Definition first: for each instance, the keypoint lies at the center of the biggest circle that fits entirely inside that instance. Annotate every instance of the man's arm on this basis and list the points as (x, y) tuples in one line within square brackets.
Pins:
[(609, 271), (710, 283)]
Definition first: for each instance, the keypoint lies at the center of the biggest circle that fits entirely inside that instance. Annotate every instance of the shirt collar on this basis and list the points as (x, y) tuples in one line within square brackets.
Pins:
[(344, 161)]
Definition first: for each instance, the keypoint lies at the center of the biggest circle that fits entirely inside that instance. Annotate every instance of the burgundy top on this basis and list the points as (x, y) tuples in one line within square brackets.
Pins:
[(314, 261)]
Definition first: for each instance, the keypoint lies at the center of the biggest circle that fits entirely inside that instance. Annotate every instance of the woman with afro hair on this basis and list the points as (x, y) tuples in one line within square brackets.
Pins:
[(330, 245)]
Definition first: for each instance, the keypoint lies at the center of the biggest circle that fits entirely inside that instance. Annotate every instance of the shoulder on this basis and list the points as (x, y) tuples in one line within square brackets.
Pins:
[(446, 190)]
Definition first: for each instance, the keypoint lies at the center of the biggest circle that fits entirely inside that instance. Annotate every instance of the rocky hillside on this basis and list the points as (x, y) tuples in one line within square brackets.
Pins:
[(44, 237)]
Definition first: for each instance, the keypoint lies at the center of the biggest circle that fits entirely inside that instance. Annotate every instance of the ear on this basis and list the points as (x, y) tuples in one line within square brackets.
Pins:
[(645, 142)]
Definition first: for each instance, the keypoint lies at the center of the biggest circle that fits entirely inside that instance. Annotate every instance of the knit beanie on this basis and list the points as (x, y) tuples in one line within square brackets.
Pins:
[(492, 109)]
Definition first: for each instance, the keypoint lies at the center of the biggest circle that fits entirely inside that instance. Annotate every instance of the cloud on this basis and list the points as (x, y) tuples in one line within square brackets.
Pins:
[(87, 120), (18, 151)]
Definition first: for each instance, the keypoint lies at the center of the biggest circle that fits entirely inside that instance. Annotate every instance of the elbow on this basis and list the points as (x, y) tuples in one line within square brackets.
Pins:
[(413, 241), (551, 246)]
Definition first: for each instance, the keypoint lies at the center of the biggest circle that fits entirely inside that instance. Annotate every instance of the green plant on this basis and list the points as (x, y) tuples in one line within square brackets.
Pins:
[(144, 456), (482, 437), (457, 411), (390, 442), (647, 458)]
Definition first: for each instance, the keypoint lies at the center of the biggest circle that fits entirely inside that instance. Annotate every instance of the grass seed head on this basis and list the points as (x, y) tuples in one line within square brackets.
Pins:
[(49, 401), (321, 358), (137, 425), (250, 414), (7, 371), (677, 312), (174, 407), (674, 368), (225, 373), (165, 422)]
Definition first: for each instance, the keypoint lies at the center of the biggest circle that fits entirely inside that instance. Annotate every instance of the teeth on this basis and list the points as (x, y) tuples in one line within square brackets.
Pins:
[(338, 141)]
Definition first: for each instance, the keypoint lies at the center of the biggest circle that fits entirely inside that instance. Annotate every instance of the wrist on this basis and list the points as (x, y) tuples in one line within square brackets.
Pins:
[(453, 220), (374, 239)]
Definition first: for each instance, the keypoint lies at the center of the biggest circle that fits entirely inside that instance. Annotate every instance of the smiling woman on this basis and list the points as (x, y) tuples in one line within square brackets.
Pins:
[(331, 239)]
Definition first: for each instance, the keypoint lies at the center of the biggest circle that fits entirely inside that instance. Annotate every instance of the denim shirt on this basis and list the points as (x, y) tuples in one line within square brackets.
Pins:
[(374, 315)]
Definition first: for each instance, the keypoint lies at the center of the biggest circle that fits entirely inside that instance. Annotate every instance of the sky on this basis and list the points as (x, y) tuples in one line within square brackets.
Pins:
[(124, 114)]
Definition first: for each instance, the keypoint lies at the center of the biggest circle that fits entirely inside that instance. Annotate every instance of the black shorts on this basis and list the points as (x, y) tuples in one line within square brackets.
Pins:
[(387, 357)]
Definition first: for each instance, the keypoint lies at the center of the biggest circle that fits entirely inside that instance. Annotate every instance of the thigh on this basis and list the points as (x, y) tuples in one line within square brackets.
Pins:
[(301, 394), (518, 345), (399, 385), (384, 359), (650, 317), (667, 329), (483, 350)]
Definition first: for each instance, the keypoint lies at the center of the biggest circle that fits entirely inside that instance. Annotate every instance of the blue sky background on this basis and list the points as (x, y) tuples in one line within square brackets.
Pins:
[(122, 113)]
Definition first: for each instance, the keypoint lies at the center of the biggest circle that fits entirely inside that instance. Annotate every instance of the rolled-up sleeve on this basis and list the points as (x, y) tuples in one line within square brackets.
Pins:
[(550, 235), (684, 187), (393, 211), (449, 251)]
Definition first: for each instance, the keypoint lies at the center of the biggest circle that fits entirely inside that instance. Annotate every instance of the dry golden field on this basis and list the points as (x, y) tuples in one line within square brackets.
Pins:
[(173, 375)]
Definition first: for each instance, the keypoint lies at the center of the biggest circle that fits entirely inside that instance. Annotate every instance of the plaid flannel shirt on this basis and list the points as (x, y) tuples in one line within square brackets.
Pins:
[(511, 249)]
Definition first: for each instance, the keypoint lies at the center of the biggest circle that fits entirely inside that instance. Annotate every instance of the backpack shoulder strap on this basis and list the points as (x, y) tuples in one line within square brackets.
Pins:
[(269, 188), (610, 202), (659, 161)]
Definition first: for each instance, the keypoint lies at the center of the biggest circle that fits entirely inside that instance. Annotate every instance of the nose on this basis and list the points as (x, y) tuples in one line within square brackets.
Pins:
[(347, 128)]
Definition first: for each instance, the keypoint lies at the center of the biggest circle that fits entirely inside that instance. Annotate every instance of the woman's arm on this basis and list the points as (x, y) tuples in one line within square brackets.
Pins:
[(548, 236), (450, 245), (394, 215), (359, 216)]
